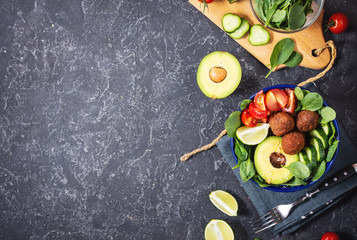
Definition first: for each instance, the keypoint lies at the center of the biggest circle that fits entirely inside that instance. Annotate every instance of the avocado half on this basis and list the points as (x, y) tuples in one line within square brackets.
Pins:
[(219, 74), (268, 158)]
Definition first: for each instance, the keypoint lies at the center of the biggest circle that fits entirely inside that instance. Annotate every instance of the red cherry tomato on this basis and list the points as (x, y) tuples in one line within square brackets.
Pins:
[(255, 112), (280, 96), (247, 119), (270, 101), (338, 23), (330, 236), (259, 100), (292, 101)]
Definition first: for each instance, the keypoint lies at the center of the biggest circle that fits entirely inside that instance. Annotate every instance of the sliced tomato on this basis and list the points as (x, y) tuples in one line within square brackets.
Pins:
[(292, 101), (280, 96), (247, 119), (255, 112), (259, 100), (270, 101)]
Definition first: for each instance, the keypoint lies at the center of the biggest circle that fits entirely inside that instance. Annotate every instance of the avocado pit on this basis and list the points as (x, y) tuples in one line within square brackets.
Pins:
[(217, 74), (277, 159)]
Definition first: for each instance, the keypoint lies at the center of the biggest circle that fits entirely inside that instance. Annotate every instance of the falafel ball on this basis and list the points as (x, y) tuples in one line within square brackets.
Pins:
[(307, 120), (281, 123), (293, 142)]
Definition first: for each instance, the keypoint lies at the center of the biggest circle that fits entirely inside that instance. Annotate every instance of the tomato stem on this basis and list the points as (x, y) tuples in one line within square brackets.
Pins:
[(330, 24)]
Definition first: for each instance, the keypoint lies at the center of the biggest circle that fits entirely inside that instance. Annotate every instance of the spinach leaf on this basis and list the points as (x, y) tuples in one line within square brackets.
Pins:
[(261, 181), (259, 9), (272, 10), (240, 151), (298, 107), (295, 182), (233, 123), (297, 17), (299, 93), (294, 59), (327, 114), (312, 101), (332, 137), (279, 16), (319, 171), (281, 52), (305, 92), (299, 170), (247, 170), (331, 150), (244, 104)]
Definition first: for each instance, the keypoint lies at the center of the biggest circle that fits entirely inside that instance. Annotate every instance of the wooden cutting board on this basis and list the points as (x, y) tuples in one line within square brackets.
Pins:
[(305, 41)]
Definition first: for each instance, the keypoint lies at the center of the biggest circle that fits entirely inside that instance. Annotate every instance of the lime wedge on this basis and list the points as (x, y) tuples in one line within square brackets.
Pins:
[(253, 135), (224, 202), (218, 230)]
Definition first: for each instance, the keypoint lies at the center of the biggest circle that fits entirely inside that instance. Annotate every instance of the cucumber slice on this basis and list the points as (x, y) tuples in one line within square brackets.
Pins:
[(303, 157), (319, 133), (312, 155), (258, 35), (241, 31), (317, 143), (231, 22), (327, 129)]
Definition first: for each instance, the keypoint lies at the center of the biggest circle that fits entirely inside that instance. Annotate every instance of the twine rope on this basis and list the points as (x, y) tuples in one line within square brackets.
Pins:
[(317, 52)]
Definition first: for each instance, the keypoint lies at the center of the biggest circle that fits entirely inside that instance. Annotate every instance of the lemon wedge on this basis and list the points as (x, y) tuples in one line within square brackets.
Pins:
[(218, 230), (253, 135), (224, 202)]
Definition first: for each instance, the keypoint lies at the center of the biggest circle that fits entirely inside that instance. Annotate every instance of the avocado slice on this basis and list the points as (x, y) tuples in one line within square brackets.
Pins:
[(269, 158), (219, 74)]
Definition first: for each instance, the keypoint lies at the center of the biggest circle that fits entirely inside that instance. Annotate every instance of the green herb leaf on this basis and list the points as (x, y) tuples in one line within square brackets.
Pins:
[(244, 104), (328, 114), (297, 17), (332, 137), (298, 107), (247, 170), (281, 52), (319, 171), (299, 93), (233, 123), (294, 59), (331, 150), (299, 170), (279, 16), (258, 179), (295, 182), (240, 151), (312, 102)]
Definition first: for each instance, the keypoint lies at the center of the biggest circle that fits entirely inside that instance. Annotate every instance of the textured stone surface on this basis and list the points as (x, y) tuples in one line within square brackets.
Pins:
[(98, 99)]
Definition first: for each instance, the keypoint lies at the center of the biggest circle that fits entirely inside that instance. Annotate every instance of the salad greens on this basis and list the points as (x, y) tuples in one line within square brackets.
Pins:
[(283, 14), (233, 123)]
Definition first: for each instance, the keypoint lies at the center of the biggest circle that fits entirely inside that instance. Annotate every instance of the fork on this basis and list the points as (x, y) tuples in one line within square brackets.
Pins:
[(280, 212)]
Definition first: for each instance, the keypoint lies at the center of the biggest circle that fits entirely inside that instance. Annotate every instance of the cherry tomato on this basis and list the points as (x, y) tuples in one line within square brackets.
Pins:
[(247, 119), (330, 236), (292, 101), (255, 112), (338, 23), (270, 101), (259, 100), (206, 1), (280, 96)]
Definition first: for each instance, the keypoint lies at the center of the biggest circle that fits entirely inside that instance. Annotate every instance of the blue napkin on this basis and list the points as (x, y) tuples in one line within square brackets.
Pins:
[(264, 200)]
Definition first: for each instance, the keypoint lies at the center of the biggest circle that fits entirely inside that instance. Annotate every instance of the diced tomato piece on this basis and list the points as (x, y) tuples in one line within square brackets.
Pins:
[(292, 102), (280, 96), (255, 112), (247, 119), (270, 101), (259, 100)]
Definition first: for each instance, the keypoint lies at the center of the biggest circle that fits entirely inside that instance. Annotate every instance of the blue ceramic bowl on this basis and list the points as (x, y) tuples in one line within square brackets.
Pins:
[(283, 188)]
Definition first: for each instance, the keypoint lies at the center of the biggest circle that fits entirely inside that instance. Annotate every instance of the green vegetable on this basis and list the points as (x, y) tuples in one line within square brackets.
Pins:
[(281, 53), (247, 170), (332, 137), (331, 151), (241, 31), (258, 35), (298, 107), (299, 170), (319, 171), (240, 151), (233, 123), (327, 114), (299, 93), (297, 17), (231, 22), (295, 182), (232, 1), (244, 104), (294, 59), (312, 101)]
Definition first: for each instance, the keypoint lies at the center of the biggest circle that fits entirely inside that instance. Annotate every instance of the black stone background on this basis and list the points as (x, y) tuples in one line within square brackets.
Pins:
[(98, 100)]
